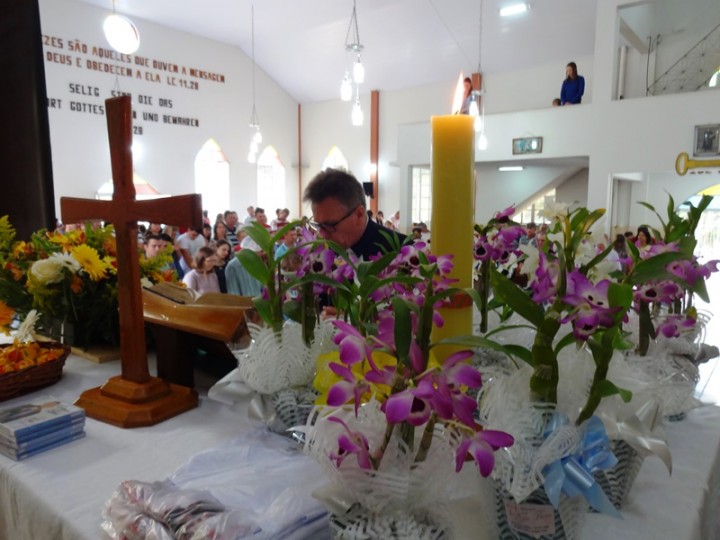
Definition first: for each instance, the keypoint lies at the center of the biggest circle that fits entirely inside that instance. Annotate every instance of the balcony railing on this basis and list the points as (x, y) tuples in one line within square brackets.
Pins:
[(693, 70)]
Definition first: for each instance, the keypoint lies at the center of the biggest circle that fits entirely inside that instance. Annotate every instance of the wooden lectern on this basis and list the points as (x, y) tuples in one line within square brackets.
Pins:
[(184, 321), (134, 398)]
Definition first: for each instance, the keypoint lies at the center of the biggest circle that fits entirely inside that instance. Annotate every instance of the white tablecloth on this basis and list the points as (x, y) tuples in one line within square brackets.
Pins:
[(60, 494)]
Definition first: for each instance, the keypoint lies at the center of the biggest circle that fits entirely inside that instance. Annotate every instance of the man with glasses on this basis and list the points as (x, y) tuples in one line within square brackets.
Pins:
[(339, 211)]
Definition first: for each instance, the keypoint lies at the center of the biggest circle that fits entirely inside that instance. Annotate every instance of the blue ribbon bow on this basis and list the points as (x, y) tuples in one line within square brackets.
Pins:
[(572, 474)]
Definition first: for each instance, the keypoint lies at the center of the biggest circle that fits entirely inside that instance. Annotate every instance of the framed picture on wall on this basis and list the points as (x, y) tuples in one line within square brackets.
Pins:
[(707, 140), (527, 145)]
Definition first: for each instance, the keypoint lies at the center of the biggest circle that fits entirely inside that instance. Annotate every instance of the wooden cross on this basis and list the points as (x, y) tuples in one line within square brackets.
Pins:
[(134, 398)]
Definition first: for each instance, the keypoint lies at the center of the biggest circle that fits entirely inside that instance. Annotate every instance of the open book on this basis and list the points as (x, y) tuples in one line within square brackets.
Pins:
[(214, 315)]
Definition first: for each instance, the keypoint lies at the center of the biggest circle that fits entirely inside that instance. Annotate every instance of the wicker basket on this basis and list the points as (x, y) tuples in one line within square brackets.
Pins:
[(28, 380)]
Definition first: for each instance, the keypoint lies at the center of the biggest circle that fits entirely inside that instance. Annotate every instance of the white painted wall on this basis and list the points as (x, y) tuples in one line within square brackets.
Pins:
[(638, 135), (81, 159), (634, 135)]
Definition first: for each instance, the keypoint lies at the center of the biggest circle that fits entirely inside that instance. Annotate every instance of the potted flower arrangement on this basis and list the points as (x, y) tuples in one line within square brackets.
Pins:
[(70, 279), (664, 307), (394, 421), (279, 365), (574, 297)]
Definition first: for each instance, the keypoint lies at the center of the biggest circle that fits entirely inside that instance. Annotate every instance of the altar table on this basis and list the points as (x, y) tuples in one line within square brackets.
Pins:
[(60, 494)]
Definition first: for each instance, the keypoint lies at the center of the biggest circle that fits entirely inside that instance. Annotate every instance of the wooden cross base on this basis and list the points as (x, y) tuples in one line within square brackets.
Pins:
[(126, 404)]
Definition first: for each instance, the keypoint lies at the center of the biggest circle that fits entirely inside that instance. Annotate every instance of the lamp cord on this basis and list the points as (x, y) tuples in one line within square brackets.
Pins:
[(353, 27)]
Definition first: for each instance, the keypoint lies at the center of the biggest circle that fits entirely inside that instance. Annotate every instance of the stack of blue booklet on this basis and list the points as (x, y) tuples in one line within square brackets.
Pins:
[(39, 425)]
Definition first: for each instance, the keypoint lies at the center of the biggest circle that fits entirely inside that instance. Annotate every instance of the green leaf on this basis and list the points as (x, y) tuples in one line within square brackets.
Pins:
[(648, 206), (480, 342), (293, 310), (653, 268), (700, 289), (606, 389), (621, 343), (584, 269), (281, 232), (516, 298), (476, 298), (620, 296), (580, 215), (262, 238), (253, 263), (375, 267), (263, 307)]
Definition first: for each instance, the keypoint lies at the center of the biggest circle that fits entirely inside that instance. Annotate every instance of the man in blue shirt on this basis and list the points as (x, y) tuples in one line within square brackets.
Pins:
[(573, 87)]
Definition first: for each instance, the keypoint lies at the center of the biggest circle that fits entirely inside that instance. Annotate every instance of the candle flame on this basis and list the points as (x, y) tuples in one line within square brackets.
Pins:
[(459, 95)]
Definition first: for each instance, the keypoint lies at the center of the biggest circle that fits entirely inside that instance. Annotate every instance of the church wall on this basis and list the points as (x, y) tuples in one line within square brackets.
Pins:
[(655, 187), (498, 190), (533, 88), (574, 190), (81, 159)]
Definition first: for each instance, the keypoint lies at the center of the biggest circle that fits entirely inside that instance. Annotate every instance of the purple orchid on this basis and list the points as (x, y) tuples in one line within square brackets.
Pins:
[(658, 291), (504, 216), (351, 442), (412, 405), (591, 305), (674, 325), (691, 271), (350, 388), (481, 446), (353, 346), (544, 282), (483, 249)]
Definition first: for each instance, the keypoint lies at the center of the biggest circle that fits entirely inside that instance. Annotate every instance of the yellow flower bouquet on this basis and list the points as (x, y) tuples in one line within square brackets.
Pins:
[(71, 279)]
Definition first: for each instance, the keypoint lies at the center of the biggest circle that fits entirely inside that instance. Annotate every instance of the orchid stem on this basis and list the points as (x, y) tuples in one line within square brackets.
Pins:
[(426, 440)]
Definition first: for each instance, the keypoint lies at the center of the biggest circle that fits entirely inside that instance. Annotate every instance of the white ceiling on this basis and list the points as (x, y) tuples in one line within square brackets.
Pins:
[(408, 43)]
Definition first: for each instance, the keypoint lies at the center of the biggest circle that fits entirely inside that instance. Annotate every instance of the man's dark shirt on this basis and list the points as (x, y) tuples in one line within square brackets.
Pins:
[(372, 242)]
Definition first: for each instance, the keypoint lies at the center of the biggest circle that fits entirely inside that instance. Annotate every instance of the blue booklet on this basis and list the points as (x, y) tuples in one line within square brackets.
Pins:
[(22, 422), (52, 435), (19, 455)]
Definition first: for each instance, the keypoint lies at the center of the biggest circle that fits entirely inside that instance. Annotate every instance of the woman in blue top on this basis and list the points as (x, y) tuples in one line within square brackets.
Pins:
[(573, 87)]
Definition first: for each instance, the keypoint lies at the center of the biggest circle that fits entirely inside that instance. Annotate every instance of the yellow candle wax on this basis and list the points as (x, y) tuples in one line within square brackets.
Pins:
[(453, 145)]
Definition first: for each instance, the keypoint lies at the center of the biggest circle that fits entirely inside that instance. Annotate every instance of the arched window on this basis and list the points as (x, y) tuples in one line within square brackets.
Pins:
[(143, 190), (270, 182), (335, 160), (212, 178)]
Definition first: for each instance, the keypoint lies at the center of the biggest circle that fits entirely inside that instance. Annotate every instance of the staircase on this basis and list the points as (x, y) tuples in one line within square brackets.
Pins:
[(693, 70)]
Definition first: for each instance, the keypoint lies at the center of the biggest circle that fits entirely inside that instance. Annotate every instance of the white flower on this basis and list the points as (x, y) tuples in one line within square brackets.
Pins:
[(510, 264), (48, 270), (602, 270), (146, 283), (556, 238), (68, 261), (26, 330), (554, 211), (585, 253), (532, 260)]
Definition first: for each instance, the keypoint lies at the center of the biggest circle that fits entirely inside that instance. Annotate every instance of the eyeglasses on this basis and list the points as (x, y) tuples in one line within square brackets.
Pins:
[(331, 226)]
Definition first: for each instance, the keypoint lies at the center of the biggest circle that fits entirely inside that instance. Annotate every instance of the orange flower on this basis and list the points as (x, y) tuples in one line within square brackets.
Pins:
[(77, 284), (17, 272), (168, 275), (6, 315), (20, 248)]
